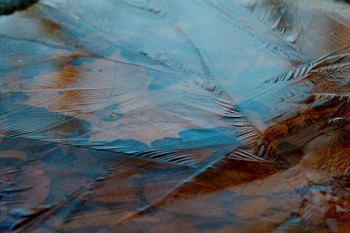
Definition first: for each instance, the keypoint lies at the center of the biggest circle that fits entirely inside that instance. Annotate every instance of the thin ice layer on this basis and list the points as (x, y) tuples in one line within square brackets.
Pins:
[(144, 88), (175, 115)]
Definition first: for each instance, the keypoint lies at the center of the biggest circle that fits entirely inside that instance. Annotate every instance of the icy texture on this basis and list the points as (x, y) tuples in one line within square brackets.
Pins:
[(175, 116)]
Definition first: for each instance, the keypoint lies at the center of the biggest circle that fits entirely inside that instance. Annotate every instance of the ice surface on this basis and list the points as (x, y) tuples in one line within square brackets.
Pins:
[(175, 116)]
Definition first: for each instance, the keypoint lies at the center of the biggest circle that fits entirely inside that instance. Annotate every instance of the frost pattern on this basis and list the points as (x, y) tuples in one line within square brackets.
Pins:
[(221, 112)]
